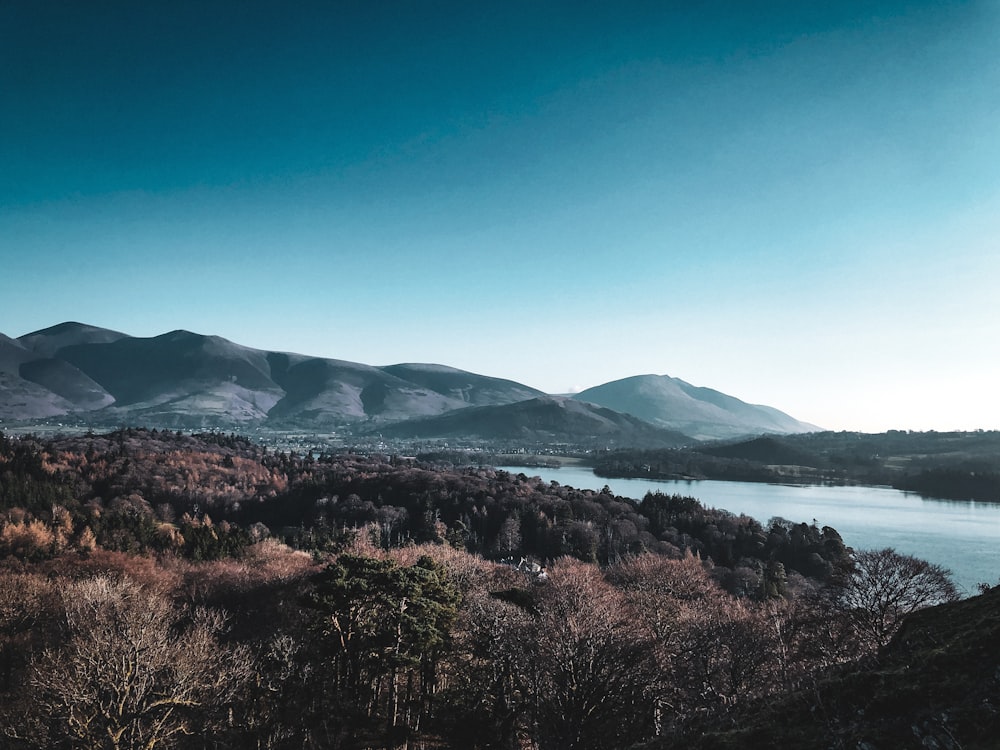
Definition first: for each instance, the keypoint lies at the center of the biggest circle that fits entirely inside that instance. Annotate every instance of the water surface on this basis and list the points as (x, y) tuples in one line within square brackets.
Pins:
[(961, 536)]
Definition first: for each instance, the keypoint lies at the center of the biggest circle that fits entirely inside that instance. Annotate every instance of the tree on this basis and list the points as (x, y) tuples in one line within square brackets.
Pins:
[(724, 652), (886, 585), (657, 588), (488, 696), (134, 671), (509, 537), (593, 680), (27, 614), (385, 625)]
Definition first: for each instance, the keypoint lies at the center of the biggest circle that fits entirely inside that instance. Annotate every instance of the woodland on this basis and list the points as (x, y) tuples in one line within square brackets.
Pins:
[(947, 465), (169, 590)]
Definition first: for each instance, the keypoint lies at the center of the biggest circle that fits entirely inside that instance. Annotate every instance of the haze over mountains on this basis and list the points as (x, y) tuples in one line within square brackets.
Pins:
[(183, 379)]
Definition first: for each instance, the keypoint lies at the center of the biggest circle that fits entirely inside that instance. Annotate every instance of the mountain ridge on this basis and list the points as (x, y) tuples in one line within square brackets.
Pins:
[(182, 379), (703, 413)]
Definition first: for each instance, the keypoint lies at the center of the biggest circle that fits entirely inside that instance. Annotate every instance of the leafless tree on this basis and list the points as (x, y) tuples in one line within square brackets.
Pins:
[(887, 585), (594, 684), (135, 671)]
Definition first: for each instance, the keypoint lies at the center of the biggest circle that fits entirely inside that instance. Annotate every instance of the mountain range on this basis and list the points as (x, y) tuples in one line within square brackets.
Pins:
[(180, 379)]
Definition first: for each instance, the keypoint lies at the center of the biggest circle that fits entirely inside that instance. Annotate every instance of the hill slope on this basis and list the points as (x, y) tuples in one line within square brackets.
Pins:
[(185, 379), (936, 685), (700, 412), (472, 389), (36, 384), (550, 419)]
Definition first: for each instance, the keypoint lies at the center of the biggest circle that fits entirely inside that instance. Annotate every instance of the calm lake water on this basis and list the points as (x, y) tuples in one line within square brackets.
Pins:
[(961, 536)]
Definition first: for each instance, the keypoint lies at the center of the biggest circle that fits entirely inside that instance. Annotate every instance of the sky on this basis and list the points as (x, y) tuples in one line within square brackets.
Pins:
[(795, 203)]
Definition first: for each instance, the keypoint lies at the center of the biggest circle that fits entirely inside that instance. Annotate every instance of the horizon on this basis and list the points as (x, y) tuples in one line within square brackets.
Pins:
[(568, 393), (797, 206)]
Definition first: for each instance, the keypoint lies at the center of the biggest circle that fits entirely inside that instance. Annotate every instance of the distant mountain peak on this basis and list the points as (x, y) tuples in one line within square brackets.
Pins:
[(184, 335), (423, 367), (70, 326), (701, 412), (183, 378), (48, 341)]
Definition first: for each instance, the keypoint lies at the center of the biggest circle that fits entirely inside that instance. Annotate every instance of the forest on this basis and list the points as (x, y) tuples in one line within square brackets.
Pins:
[(169, 590), (947, 465)]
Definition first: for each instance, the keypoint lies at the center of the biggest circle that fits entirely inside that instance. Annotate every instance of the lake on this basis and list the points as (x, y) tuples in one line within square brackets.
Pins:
[(961, 536)]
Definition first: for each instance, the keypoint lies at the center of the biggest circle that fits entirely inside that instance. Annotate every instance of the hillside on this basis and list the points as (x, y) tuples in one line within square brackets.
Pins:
[(126, 484), (934, 686), (703, 413), (546, 420), (185, 379), (34, 386), (475, 390)]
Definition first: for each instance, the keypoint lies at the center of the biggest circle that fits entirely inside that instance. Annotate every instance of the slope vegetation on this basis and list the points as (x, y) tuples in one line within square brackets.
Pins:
[(546, 420), (935, 686)]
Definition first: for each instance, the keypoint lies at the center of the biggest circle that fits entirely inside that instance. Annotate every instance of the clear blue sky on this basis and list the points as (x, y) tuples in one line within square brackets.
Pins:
[(796, 203)]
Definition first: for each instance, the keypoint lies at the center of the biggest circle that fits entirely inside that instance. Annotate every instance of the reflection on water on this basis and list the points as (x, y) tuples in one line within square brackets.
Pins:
[(961, 536)]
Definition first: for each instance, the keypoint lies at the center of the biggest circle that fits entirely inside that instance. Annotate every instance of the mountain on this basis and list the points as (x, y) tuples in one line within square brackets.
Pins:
[(703, 413), (20, 397), (549, 419), (179, 379), (49, 341), (100, 377), (34, 384), (325, 391), (185, 379)]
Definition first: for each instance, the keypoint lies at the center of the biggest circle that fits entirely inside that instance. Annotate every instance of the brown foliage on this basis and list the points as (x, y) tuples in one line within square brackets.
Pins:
[(30, 540), (161, 575), (595, 686)]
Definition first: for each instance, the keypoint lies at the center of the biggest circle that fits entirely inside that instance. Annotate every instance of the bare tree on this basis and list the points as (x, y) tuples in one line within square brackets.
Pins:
[(488, 693), (886, 585), (725, 653), (593, 678), (134, 670)]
